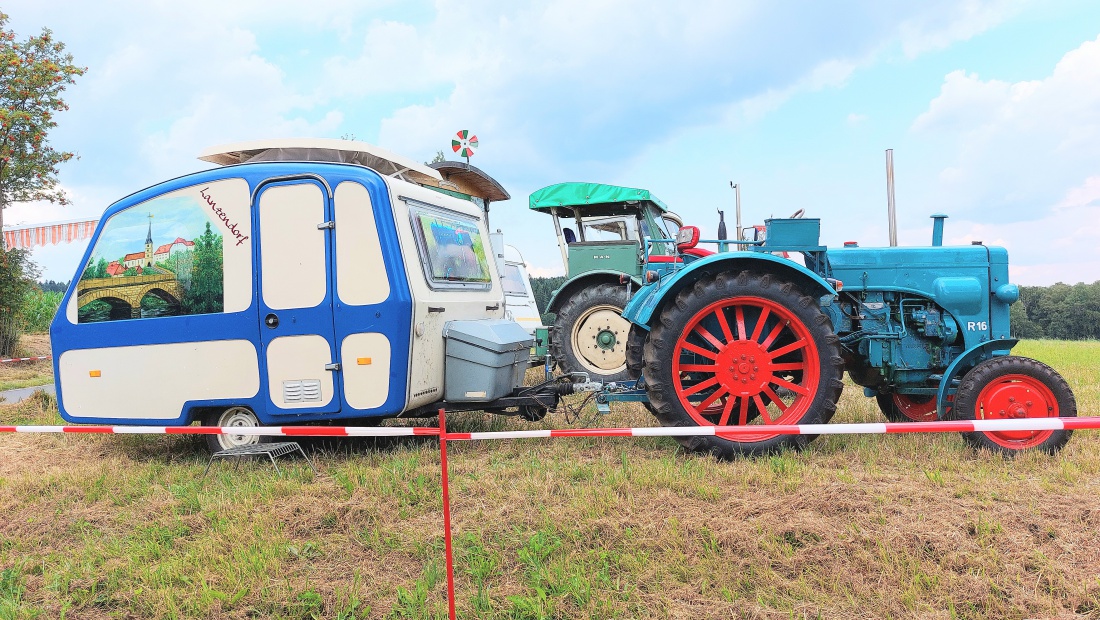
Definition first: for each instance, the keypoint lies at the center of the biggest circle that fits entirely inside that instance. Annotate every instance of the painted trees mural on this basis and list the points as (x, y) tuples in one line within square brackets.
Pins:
[(177, 269)]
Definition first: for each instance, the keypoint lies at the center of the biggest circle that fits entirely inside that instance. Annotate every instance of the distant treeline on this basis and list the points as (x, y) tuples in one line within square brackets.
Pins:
[(49, 286), (543, 288), (1060, 311)]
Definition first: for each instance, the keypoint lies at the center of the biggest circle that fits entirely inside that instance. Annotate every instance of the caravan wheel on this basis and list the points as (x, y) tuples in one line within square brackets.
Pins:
[(233, 416)]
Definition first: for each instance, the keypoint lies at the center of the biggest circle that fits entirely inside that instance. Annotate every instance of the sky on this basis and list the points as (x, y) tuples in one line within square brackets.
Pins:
[(991, 107)]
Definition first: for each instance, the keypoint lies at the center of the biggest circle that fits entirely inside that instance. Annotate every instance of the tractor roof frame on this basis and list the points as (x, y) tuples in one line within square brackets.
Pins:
[(594, 200)]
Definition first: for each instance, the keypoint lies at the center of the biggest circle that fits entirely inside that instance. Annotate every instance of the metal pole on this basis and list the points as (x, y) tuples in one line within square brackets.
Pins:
[(561, 239), (893, 216), (737, 203), (447, 516)]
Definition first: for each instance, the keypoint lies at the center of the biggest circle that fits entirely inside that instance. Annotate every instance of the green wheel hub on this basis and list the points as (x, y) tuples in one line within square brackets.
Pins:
[(606, 340)]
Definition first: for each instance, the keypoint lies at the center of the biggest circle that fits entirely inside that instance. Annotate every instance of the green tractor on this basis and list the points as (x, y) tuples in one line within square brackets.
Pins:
[(602, 232)]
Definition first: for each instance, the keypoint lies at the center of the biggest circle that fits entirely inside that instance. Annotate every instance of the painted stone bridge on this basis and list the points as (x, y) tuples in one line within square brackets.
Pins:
[(130, 290)]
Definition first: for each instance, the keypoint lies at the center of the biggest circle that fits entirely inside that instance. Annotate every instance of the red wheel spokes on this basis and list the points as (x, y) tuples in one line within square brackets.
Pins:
[(727, 360)]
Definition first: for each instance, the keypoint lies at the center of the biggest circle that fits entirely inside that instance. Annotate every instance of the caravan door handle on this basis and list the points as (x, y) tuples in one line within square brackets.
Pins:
[(435, 309)]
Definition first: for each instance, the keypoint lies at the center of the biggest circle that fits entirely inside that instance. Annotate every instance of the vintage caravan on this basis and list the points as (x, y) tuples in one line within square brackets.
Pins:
[(518, 294), (288, 290)]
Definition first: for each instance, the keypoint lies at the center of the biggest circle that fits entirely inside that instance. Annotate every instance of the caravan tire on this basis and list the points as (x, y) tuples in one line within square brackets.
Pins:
[(233, 416)]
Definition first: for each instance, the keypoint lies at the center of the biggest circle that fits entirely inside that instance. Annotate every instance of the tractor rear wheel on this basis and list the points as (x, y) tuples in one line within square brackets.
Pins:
[(590, 333), (906, 408), (1009, 387), (738, 350)]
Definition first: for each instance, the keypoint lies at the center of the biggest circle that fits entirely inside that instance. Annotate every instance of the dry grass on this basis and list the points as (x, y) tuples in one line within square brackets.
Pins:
[(28, 374), (869, 526)]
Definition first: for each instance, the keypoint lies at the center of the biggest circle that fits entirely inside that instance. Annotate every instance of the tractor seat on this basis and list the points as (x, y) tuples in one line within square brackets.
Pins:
[(697, 252)]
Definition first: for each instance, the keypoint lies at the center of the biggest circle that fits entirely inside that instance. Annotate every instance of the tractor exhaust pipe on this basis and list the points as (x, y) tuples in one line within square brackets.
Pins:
[(892, 213)]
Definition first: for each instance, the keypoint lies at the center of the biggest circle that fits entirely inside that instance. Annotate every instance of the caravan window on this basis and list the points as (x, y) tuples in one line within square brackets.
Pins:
[(513, 281), (184, 252), (452, 248)]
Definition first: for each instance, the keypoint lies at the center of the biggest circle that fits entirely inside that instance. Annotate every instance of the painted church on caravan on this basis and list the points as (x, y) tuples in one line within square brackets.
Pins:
[(149, 257)]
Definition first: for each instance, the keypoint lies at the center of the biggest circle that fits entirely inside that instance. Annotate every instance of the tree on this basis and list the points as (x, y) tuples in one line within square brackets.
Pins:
[(33, 76), (17, 277), (206, 292), (439, 157)]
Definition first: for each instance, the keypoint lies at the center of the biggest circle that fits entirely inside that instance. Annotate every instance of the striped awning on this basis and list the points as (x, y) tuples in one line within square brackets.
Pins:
[(52, 233)]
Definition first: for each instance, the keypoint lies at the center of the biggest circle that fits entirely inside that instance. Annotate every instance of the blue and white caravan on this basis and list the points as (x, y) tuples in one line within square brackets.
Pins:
[(304, 285)]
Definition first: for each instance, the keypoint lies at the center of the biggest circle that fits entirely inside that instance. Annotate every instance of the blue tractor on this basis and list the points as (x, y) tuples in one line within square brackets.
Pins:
[(751, 337)]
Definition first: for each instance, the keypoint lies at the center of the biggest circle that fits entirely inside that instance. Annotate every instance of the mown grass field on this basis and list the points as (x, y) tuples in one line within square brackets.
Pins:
[(28, 374), (870, 526)]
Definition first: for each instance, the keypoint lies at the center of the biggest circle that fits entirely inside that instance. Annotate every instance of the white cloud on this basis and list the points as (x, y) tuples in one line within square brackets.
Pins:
[(1013, 149), (955, 20)]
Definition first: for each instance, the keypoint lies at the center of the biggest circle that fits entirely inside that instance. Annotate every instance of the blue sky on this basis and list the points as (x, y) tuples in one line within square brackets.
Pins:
[(992, 107)]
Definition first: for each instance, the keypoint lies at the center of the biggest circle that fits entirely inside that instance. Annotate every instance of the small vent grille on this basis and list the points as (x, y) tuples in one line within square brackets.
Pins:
[(306, 391)]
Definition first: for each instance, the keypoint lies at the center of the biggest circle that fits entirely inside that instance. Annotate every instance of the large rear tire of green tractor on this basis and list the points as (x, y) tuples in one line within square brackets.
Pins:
[(744, 349), (1007, 388), (590, 333)]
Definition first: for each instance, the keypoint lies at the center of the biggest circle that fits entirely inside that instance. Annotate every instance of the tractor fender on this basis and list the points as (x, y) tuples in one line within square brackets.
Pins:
[(968, 359), (585, 280), (644, 304)]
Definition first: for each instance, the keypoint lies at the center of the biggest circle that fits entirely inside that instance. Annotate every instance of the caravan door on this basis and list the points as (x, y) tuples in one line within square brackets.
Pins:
[(295, 301)]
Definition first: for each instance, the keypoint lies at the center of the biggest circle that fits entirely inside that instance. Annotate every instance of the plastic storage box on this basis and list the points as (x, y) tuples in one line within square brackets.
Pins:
[(486, 359)]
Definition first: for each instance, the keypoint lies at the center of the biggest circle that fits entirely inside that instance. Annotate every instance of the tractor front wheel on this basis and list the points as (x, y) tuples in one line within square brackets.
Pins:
[(1005, 388), (590, 333), (745, 349)]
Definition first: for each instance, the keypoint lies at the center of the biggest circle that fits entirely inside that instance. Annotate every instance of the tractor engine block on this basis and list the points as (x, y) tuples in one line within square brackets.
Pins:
[(893, 338)]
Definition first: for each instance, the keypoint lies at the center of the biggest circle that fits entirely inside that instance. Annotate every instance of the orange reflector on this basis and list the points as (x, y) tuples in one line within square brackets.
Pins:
[(93, 373), (651, 276), (363, 361)]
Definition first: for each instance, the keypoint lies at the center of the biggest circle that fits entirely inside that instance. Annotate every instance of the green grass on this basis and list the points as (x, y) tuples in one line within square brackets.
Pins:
[(900, 526), (39, 308)]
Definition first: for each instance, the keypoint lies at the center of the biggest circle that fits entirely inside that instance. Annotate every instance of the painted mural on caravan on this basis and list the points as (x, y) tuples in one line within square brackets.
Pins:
[(162, 257)]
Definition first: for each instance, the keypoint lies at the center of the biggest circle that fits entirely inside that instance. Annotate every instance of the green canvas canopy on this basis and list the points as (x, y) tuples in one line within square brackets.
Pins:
[(593, 199)]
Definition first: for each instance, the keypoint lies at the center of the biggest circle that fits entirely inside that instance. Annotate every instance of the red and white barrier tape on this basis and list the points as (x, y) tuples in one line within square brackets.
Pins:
[(729, 432), (25, 359)]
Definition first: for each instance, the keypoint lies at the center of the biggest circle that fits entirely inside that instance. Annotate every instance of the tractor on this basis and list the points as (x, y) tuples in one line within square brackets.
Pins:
[(747, 337), (605, 235)]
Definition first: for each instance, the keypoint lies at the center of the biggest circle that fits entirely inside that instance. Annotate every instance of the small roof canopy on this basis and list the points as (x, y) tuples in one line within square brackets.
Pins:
[(470, 180), (322, 149), (594, 199)]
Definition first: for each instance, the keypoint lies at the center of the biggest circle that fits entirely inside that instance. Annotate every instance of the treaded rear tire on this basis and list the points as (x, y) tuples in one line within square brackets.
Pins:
[(799, 319), (576, 309)]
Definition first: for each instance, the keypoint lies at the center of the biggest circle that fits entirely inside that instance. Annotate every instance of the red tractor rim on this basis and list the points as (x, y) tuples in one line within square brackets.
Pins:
[(736, 357), (917, 409), (1016, 396)]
